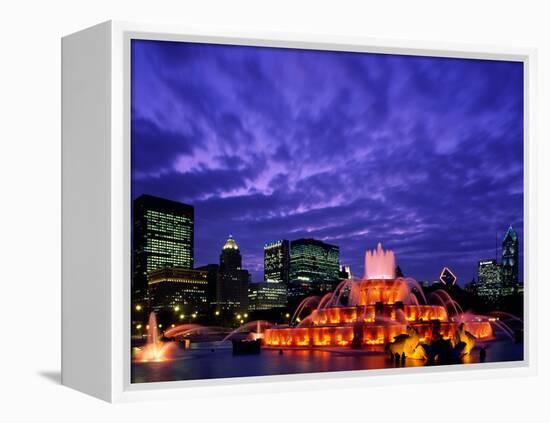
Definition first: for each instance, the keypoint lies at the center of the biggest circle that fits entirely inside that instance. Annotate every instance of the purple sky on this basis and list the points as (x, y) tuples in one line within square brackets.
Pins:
[(423, 154)]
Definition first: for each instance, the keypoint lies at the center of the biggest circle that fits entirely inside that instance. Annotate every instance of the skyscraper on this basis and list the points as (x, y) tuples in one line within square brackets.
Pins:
[(488, 271), (162, 237), (277, 261), (230, 257), (232, 282), (212, 274), (345, 272), (313, 261), (510, 257), (178, 289), (266, 296), (489, 277)]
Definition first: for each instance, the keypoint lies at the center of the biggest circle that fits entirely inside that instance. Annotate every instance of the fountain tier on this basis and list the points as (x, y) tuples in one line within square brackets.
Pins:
[(374, 311)]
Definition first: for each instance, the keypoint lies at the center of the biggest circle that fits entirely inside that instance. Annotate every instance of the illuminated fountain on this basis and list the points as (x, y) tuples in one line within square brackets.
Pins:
[(380, 309), (254, 330), (154, 350)]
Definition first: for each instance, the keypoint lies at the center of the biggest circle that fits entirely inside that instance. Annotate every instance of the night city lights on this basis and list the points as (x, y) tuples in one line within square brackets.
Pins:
[(298, 211)]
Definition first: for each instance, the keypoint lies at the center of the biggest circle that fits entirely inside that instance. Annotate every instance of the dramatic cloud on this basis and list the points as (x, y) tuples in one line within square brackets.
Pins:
[(423, 154)]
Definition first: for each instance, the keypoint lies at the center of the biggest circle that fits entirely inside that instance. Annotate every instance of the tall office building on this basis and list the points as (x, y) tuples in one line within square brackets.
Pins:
[(510, 257), (162, 237), (489, 271), (314, 262), (230, 257), (345, 272), (232, 281), (178, 289), (277, 261), (267, 296), (489, 278), (212, 272)]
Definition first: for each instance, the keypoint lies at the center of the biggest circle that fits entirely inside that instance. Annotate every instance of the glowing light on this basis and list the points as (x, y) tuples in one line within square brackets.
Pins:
[(177, 308), (379, 264), (230, 244), (447, 273), (217, 313), (138, 326), (138, 307), (182, 316), (154, 350)]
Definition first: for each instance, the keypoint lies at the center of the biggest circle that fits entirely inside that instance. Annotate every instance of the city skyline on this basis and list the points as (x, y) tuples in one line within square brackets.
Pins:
[(425, 157), (499, 259)]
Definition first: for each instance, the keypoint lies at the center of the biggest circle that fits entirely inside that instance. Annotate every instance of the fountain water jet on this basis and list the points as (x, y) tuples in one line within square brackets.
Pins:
[(181, 331), (325, 300), (379, 264), (255, 324), (311, 302), (154, 349), (446, 300)]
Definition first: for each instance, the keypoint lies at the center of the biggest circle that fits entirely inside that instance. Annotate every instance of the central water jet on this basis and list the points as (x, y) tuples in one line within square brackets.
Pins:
[(379, 264)]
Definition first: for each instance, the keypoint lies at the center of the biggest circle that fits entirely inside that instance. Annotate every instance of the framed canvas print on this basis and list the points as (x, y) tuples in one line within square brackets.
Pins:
[(255, 211)]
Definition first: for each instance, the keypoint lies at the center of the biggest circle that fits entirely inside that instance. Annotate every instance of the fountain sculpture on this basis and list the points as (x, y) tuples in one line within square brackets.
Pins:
[(380, 309)]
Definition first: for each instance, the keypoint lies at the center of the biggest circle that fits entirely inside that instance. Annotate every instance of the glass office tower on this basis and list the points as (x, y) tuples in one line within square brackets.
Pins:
[(162, 237)]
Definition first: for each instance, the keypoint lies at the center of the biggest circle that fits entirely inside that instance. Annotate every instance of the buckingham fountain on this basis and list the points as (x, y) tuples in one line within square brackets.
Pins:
[(381, 310)]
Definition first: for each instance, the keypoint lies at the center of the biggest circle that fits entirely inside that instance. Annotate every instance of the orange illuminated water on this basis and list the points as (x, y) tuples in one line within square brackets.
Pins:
[(154, 350), (377, 309)]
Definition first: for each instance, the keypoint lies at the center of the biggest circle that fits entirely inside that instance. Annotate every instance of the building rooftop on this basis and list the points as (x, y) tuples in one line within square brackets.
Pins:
[(511, 233), (230, 244)]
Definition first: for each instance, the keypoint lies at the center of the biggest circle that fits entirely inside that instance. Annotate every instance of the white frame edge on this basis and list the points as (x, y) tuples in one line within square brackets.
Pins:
[(117, 336)]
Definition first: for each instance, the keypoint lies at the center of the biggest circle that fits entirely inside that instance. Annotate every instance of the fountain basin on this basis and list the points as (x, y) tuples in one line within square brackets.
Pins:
[(372, 333)]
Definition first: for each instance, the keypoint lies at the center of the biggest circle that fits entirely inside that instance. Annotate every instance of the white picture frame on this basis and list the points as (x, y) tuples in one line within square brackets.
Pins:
[(96, 214)]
